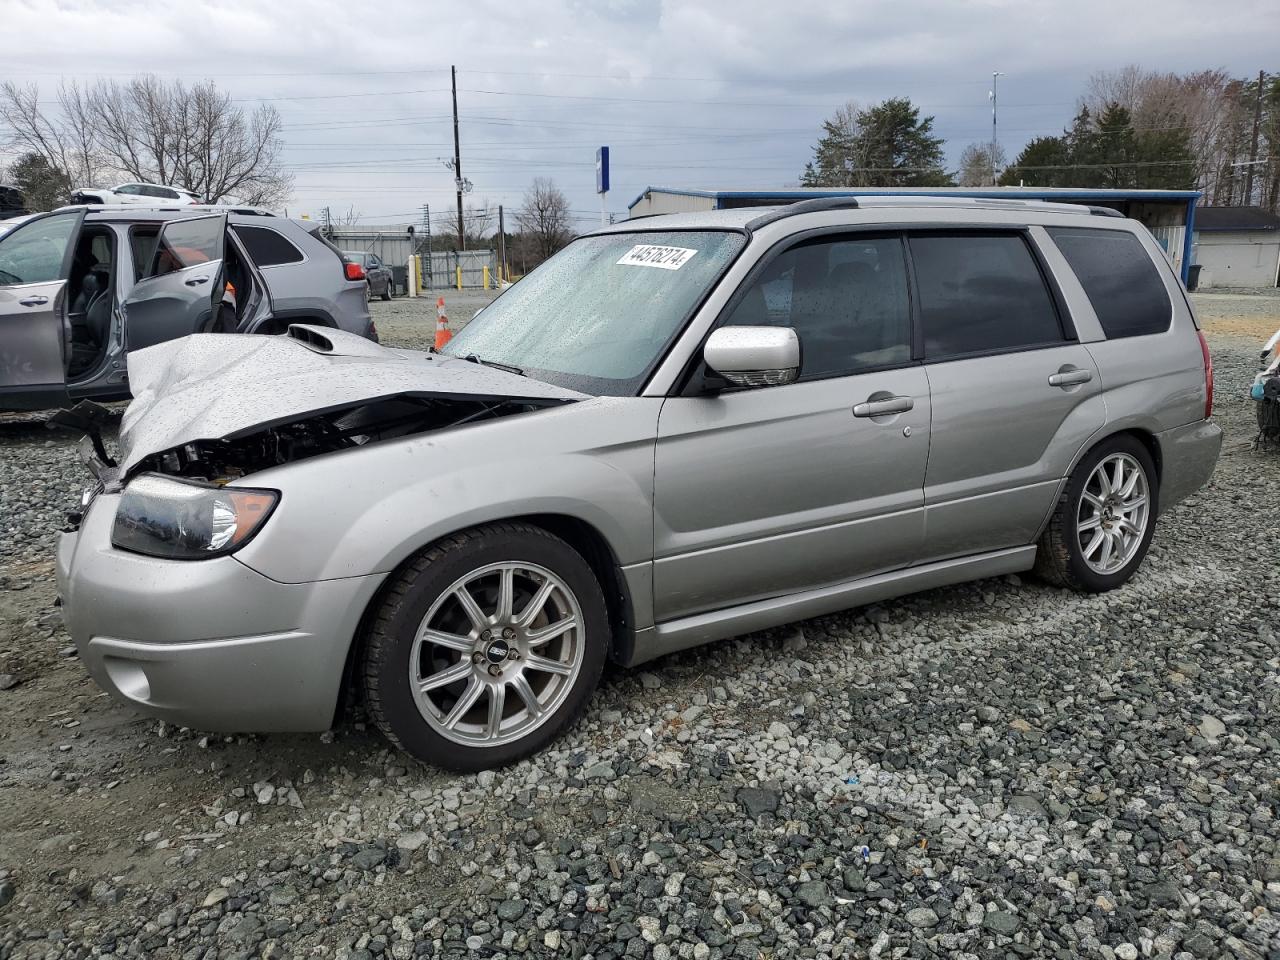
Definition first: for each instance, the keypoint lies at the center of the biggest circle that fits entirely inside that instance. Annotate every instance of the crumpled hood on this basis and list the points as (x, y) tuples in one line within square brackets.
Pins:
[(212, 386)]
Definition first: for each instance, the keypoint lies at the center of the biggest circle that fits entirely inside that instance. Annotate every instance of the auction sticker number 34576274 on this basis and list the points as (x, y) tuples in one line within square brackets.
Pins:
[(650, 255)]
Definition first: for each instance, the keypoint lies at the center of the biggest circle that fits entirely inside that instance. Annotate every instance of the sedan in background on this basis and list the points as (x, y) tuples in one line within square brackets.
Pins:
[(377, 273)]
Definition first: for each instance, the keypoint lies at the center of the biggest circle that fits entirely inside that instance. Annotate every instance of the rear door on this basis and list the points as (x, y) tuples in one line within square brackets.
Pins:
[(1014, 395), (35, 262), (183, 287)]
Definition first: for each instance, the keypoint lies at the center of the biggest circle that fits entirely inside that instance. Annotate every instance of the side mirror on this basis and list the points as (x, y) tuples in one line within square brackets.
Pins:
[(754, 356)]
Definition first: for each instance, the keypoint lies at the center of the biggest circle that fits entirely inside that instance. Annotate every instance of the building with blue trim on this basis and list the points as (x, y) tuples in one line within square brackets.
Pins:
[(1168, 214)]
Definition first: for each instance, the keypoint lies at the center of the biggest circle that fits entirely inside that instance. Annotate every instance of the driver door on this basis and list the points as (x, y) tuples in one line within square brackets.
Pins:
[(35, 263)]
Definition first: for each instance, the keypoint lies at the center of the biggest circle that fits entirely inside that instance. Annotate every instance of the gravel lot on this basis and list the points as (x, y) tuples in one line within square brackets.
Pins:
[(1000, 769)]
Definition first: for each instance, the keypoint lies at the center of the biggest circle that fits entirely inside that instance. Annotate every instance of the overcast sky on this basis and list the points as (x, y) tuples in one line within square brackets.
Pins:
[(686, 94)]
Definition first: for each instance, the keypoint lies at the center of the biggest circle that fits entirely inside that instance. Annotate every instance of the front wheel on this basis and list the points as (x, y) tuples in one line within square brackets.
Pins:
[(486, 647), (1104, 520)]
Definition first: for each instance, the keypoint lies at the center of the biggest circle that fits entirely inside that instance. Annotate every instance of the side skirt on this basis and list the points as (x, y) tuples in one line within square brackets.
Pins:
[(704, 627)]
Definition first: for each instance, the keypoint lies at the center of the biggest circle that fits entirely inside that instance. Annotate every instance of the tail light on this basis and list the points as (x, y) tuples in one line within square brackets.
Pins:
[(1208, 375), (354, 271)]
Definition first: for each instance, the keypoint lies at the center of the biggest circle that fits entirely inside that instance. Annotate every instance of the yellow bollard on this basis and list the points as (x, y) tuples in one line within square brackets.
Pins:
[(486, 276), (459, 269)]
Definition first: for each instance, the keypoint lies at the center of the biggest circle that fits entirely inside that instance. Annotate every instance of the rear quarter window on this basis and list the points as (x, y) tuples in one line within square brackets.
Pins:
[(267, 248), (1123, 285)]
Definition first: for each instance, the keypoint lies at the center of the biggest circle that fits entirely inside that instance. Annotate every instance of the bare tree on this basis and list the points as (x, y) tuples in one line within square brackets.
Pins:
[(478, 220), (63, 137), (976, 166), (1200, 105), (349, 219), (193, 137), (544, 219)]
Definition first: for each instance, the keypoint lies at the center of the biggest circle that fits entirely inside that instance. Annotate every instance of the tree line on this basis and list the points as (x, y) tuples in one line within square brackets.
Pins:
[(1133, 129), (190, 136)]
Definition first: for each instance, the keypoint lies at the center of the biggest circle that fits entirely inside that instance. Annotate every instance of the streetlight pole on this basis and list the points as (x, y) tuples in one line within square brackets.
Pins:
[(994, 75)]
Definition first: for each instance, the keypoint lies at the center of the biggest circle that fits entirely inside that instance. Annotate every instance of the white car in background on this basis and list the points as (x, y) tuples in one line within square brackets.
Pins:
[(147, 193)]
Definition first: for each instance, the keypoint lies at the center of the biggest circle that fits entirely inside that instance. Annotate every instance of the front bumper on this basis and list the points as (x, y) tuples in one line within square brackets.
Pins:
[(1188, 454), (210, 644)]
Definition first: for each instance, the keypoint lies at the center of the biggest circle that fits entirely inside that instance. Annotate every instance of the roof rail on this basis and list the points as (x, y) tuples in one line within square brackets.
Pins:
[(816, 205), (1105, 212)]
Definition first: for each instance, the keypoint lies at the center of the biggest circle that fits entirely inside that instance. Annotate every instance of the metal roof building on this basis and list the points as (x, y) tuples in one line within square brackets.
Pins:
[(1168, 214), (1237, 247)]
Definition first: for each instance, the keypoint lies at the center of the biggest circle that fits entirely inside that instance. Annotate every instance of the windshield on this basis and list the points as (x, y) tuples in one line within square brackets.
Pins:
[(597, 316)]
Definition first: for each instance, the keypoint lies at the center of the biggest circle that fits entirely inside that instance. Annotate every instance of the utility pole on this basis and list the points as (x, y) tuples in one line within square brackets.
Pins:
[(426, 220), (994, 75), (502, 248), (1253, 151), (457, 160)]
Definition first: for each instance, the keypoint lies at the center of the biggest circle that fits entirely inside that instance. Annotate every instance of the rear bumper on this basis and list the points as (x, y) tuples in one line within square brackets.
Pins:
[(1188, 454), (209, 644)]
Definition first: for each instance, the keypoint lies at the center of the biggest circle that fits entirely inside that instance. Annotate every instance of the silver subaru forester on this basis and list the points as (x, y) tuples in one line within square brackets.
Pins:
[(677, 429)]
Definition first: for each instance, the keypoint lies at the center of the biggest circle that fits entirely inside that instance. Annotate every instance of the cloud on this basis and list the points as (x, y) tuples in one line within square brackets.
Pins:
[(686, 94)]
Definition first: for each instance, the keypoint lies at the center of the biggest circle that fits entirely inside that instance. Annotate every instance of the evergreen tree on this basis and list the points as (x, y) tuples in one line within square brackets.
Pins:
[(43, 185), (886, 145)]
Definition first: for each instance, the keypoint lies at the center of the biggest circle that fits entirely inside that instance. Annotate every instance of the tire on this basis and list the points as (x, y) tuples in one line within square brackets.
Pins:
[(386, 291), (452, 724), (1269, 419), (368, 292), (1068, 555)]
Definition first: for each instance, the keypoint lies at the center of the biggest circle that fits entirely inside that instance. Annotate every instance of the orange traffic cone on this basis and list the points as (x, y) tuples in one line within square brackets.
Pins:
[(443, 333)]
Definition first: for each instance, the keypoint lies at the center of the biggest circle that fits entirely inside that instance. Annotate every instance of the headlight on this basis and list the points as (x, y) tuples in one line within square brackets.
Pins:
[(186, 520)]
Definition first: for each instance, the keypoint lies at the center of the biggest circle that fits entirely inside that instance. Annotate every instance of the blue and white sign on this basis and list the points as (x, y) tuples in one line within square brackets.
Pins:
[(602, 170)]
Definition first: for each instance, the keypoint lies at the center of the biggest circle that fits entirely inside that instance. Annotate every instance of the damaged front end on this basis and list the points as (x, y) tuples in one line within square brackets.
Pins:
[(225, 459), (214, 409)]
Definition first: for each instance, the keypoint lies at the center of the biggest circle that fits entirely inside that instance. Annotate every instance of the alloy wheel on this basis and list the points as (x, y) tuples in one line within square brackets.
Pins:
[(496, 654), (1113, 513)]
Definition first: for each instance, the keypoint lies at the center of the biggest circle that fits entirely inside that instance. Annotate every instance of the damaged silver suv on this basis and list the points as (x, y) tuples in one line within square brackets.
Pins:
[(675, 430)]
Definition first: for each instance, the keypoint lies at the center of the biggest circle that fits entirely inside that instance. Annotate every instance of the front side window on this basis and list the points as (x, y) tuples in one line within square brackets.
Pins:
[(34, 252), (186, 243), (598, 315), (981, 293), (1119, 278), (846, 299), (131, 189)]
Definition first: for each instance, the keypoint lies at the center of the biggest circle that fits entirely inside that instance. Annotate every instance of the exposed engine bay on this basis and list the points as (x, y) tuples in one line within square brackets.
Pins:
[(224, 460)]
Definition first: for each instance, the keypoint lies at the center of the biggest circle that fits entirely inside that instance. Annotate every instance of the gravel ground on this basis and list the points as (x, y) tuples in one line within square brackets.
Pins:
[(411, 321), (1000, 769)]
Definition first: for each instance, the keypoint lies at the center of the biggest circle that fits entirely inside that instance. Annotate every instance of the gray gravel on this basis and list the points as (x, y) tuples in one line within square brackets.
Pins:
[(1000, 769)]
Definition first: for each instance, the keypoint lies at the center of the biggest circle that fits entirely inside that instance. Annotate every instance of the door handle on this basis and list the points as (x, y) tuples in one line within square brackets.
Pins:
[(34, 301), (883, 408), (1070, 378), (196, 281)]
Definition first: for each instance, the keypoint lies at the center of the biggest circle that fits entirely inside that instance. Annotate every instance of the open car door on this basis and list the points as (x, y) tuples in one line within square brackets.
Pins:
[(183, 288), (35, 263)]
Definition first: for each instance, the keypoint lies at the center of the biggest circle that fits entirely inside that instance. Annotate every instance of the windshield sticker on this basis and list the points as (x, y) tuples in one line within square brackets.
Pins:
[(666, 258)]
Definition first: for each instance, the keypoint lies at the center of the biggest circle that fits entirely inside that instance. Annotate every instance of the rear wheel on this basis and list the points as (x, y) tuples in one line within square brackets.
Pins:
[(486, 647), (386, 291), (1104, 520)]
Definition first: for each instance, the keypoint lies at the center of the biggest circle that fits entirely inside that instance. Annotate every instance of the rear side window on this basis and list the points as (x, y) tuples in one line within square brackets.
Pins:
[(187, 243), (981, 293), (268, 248), (1122, 283)]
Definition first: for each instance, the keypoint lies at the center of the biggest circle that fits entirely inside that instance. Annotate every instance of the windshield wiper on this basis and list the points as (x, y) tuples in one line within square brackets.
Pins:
[(475, 358)]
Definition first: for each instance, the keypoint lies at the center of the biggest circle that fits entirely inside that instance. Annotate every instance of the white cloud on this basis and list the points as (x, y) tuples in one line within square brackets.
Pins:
[(705, 93)]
